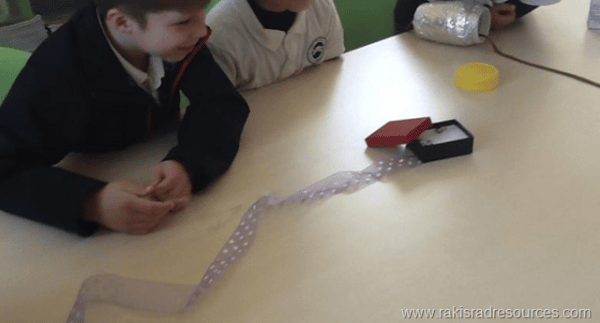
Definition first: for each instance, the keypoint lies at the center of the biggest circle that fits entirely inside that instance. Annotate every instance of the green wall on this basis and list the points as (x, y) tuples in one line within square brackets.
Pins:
[(366, 22), (19, 10)]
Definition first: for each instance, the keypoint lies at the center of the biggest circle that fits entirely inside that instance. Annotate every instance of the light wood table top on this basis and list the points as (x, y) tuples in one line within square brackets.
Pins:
[(515, 225)]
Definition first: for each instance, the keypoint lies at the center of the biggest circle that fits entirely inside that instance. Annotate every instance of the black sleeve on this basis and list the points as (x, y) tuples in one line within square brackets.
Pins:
[(41, 119), (522, 9), (404, 13), (210, 131)]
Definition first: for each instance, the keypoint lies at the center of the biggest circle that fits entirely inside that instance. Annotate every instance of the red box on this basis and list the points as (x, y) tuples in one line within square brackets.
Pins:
[(399, 132)]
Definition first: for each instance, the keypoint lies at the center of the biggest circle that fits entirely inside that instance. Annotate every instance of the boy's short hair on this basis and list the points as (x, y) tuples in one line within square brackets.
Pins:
[(139, 9)]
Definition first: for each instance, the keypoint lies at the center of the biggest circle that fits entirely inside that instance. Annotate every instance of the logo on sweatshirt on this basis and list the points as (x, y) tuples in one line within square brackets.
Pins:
[(316, 50)]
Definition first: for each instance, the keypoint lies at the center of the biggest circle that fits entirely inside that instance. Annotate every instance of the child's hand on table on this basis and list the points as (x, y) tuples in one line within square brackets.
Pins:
[(503, 14), (127, 207), (170, 182)]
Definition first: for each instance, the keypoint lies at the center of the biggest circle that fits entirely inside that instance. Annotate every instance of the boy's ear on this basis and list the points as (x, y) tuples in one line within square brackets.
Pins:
[(119, 21)]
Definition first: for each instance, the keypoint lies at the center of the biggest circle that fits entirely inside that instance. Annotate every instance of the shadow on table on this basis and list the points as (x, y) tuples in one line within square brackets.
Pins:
[(132, 163)]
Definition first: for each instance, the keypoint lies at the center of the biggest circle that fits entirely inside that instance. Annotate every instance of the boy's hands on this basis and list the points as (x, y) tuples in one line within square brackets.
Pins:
[(137, 209), (503, 14), (170, 182), (126, 207)]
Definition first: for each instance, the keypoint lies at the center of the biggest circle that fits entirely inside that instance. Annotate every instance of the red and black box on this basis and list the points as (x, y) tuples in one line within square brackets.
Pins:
[(427, 141)]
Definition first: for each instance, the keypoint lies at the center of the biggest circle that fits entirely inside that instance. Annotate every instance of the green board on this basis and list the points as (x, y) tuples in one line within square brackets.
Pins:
[(12, 62), (366, 22)]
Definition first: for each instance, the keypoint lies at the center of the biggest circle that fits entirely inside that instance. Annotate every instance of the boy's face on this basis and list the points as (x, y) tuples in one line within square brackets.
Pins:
[(171, 34), (283, 5)]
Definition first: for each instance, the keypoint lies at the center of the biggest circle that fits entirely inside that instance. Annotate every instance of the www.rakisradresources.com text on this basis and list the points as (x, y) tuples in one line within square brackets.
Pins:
[(460, 312)]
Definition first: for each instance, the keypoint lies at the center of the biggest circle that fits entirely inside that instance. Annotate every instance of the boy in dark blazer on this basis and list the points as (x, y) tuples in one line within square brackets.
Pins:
[(109, 78)]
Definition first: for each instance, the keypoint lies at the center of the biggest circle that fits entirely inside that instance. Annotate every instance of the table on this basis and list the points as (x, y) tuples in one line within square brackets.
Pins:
[(512, 226)]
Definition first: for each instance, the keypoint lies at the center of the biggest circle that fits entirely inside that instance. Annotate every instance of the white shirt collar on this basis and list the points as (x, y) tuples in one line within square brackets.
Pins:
[(156, 69)]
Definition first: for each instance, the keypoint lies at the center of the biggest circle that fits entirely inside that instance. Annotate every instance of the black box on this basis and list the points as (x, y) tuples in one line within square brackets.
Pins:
[(443, 140)]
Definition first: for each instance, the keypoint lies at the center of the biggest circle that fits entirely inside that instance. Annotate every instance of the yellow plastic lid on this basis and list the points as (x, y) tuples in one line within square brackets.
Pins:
[(476, 77)]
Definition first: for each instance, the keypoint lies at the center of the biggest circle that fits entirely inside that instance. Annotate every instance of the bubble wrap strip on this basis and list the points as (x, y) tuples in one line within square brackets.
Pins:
[(172, 298)]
